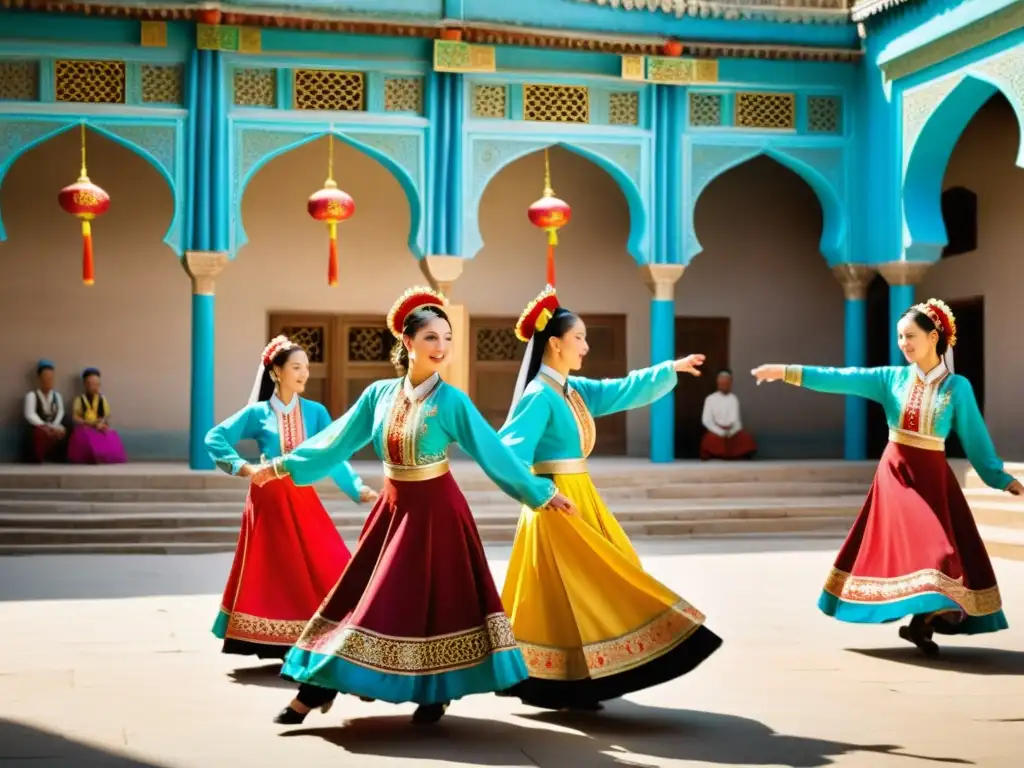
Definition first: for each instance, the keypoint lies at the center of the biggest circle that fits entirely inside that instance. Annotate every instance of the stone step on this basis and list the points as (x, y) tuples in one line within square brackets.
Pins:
[(14, 497), (607, 473), (1007, 543), (146, 541), (996, 508), (174, 516), (973, 481)]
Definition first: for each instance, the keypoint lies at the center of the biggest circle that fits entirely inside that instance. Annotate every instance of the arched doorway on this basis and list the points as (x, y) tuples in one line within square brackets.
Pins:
[(983, 189), (597, 278), (131, 324), (278, 281), (760, 291)]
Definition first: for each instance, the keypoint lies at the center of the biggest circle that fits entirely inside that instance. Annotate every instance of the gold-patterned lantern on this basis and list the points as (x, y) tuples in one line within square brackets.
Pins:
[(86, 201), (332, 206), (550, 214)]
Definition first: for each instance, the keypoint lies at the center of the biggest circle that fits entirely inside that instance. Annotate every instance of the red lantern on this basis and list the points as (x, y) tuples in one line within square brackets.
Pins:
[(86, 201), (333, 206), (550, 214)]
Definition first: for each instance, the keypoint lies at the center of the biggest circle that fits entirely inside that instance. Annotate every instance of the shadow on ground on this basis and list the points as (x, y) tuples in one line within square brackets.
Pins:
[(24, 745), (624, 734), (265, 676), (969, 661)]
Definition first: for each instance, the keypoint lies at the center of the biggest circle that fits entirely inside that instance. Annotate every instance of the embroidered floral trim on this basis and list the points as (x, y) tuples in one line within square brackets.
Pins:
[(256, 629), (616, 655), (408, 655), (868, 589)]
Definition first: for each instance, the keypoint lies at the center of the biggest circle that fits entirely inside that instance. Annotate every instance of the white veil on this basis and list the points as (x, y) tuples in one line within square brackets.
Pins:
[(948, 359), (521, 381), (254, 393)]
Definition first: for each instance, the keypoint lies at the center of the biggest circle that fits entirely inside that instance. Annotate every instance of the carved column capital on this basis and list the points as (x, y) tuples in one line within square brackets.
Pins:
[(442, 271), (203, 267), (903, 272), (855, 279), (661, 279)]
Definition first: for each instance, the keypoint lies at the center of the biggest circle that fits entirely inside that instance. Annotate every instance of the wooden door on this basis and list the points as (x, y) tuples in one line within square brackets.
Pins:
[(879, 335), (315, 334), (710, 337), (495, 355), (606, 335), (363, 352), (969, 356)]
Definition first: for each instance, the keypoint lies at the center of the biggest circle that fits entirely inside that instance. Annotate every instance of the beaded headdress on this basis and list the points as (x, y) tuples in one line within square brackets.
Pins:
[(940, 314), (410, 301), (537, 315)]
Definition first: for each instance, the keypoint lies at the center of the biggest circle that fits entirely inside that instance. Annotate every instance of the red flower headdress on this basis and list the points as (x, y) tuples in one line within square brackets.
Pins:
[(276, 345), (409, 302), (537, 315), (940, 314)]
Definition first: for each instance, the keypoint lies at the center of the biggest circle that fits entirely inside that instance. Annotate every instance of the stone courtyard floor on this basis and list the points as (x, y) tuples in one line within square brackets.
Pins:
[(108, 661)]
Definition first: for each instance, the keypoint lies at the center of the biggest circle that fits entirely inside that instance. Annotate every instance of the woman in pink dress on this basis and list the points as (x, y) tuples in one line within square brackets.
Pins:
[(93, 440)]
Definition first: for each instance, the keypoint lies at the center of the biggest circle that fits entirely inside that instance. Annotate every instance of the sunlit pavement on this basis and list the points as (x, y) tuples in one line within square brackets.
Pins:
[(109, 661)]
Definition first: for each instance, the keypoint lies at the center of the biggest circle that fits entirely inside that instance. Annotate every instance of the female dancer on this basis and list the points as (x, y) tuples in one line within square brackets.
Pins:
[(415, 616), (289, 552), (591, 623), (914, 550)]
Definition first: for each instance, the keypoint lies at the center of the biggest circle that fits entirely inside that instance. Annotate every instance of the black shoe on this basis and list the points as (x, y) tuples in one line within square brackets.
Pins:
[(426, 714), (289, 716), (921, 637)]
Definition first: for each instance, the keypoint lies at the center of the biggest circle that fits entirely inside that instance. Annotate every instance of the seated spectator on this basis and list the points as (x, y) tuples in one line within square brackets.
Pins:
[(44, 412), (93, 440), (725, 437)]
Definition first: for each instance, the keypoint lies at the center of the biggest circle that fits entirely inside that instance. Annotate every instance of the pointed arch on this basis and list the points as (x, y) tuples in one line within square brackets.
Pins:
[(930, 150), (255, 147), (814, 165), (626, 163), (22, 135)]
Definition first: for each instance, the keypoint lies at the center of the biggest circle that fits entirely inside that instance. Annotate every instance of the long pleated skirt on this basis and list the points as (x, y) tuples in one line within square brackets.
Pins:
[(915, 549), (592, 624), (416, 616), (289, 556)]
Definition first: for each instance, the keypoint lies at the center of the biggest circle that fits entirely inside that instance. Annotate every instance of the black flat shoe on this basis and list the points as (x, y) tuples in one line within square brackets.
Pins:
[(913, 635), (427, 714), (289, 716)]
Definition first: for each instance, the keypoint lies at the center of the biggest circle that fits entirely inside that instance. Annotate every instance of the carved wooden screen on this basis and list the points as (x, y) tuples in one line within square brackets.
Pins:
[(495, 355), (315, 334), (364, 351)]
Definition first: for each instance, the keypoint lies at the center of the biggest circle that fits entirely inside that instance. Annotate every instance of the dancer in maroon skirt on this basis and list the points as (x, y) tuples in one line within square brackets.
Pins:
[(415, 616), (915, 549), (289, 551)]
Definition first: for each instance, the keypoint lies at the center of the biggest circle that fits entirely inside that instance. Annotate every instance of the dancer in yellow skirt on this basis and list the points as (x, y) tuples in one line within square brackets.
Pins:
[(591, 623)]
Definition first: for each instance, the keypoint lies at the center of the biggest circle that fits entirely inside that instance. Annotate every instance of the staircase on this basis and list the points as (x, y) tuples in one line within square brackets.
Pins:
[(154, 508), (999, 515)]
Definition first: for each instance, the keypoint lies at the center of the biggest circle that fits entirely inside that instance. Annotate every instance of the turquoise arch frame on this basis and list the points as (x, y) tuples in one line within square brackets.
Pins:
[(924, 231), (821, 167), (170, 165), (627, 162), (280, 140)]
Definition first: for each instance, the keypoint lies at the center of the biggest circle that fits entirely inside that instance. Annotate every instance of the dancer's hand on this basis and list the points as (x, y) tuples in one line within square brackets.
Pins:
[(262, 475), (1015, 488), (765, 373), (690, 364), (561, 503), (367, 494)]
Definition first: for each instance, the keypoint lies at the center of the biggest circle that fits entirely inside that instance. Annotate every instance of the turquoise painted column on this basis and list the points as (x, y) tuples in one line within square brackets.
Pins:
[(901, 276), (207, 235), (661, 279), (855, 279)]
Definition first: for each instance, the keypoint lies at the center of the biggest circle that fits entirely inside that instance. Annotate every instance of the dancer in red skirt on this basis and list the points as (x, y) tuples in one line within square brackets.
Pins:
[(915, 549), (289, 552), (416, 616)]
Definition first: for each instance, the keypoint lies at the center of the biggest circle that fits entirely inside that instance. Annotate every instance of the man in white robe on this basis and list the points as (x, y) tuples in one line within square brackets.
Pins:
[(725, 437)]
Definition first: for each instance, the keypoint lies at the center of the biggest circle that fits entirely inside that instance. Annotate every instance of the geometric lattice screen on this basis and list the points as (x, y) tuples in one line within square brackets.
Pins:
[(766, 110)]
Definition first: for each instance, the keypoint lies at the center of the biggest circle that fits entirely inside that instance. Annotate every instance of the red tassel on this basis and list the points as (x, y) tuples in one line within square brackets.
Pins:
[(88, 272), (332, 262), (551, 265)]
